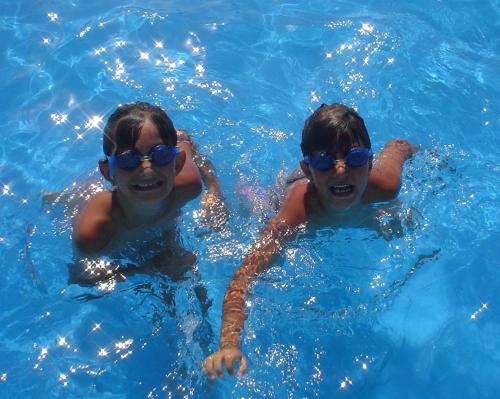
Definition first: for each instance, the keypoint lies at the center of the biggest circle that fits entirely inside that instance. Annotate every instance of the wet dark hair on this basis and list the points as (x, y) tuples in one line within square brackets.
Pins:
[(125, 124), (333, 128)]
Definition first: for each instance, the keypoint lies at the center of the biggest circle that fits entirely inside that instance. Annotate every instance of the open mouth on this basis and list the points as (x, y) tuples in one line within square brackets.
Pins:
[(147, 186), (343, 190)]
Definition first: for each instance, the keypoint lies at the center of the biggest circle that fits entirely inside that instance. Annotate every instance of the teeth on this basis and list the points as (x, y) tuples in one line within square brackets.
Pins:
[(341, 189), (147, 186)]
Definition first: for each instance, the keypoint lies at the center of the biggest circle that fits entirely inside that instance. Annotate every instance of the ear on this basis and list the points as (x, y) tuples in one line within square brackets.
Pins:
[(306, 169), (104, 169), (180, 159)]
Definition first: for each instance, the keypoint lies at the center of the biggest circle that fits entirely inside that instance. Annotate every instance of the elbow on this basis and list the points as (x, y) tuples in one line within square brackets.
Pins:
[(197, 187), (196, 184), (390, 189), (87, 244)]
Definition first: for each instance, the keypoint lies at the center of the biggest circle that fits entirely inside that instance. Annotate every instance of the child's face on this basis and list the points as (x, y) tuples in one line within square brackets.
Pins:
[(341, 186), (147, 183)]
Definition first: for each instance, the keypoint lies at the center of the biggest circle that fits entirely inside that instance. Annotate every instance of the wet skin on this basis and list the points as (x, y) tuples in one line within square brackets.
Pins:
[(147, 183), (339, 187)]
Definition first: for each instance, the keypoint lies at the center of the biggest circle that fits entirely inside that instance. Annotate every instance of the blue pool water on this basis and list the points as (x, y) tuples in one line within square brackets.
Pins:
[(409, 308)]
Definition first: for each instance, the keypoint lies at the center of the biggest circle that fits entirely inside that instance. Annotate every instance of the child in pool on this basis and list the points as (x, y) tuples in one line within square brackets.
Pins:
[(336, 177), (152, 168)]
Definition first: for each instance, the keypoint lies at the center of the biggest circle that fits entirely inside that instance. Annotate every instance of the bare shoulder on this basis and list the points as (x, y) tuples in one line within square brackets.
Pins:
[(294, 208), (183, 135), (188, 182), (384, 180), (94, 227)]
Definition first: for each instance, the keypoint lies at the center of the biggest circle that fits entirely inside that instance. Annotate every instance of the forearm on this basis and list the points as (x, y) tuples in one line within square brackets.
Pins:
[(385, 176), (233, 314), (396, 152), (204, 165), (257, 261), (207, 172)]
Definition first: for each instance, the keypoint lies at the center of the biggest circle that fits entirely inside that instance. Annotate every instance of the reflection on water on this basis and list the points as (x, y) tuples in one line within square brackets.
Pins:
[(395, 300)]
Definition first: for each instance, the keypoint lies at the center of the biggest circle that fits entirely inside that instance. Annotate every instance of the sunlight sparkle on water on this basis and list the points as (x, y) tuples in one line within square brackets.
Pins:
[(94, 122), (345, 383), (61, 341), (64, 379), (122, 348), (476, 314), (99, 51), (366, 29), (41, 357), (102, 352), (82, 33), (125, 344), (314, 97), (58, 118), (53, 16), (200, 70)]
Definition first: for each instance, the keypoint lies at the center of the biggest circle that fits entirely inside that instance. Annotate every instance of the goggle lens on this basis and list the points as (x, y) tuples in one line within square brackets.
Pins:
[(159, 155), (355, 158)]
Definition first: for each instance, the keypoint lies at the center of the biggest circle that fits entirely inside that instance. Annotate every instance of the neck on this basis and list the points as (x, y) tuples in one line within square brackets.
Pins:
[(137, 214)]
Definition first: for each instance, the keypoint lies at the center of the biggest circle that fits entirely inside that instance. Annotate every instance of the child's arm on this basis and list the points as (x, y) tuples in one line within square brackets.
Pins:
[(214, 210), (259, 259), (94, 228), (384, 180)]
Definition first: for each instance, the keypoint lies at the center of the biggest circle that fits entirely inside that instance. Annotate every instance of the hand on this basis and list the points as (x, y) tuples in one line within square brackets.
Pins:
[(403, 147), (214, 212), (213, 363)]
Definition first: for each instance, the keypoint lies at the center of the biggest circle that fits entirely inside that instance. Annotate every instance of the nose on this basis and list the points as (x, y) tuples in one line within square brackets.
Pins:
[(340, 167), (146, 165)]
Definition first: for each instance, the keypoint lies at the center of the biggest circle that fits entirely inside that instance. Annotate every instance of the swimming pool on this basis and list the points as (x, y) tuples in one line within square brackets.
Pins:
[(409, 308)]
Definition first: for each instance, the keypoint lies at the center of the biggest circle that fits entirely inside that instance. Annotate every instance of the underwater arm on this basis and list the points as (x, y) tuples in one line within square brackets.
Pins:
[(385, 177), (277, 232), (259, 259), (214, 211)]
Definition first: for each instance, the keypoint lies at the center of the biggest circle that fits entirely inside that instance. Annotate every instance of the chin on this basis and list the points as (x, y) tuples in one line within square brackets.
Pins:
[(342, 207), (150, 196), (341, 204)]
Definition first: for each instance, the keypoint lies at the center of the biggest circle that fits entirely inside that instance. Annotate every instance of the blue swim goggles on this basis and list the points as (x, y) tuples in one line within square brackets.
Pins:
[(355, 158), (159, 155)]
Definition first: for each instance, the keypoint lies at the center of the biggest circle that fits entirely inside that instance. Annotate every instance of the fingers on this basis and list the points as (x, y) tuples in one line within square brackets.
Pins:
[(217, 359), (228, 361), (243, 366), (213, 364), (208, 364)]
